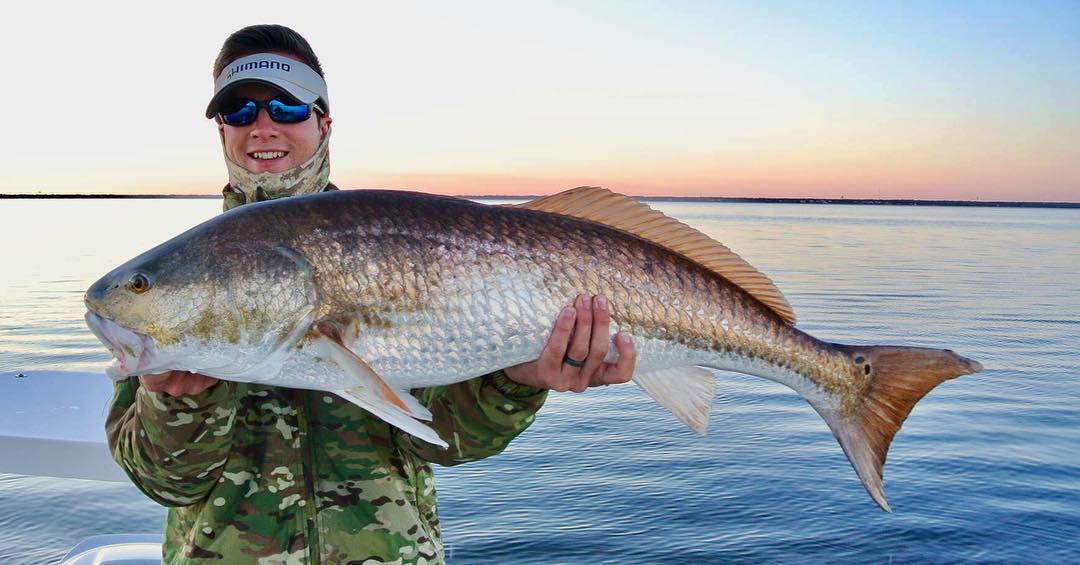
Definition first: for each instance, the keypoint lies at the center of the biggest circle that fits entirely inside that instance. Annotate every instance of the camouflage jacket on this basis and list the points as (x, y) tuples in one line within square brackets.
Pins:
[(263, 474)]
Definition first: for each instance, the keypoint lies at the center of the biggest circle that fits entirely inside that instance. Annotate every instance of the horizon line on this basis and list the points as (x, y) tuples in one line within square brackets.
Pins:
[(735, 199)]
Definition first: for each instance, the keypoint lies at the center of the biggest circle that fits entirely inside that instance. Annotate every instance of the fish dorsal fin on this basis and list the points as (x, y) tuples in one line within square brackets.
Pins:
[(603, 206)]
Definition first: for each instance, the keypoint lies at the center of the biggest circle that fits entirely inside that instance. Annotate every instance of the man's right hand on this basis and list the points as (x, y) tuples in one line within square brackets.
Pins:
[(177, 383)]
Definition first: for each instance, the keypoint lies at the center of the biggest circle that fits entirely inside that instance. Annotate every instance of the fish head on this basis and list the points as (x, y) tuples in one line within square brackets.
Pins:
[(202, 303)]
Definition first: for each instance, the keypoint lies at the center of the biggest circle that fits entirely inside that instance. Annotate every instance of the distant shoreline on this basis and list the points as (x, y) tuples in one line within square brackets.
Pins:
[(736, 199)]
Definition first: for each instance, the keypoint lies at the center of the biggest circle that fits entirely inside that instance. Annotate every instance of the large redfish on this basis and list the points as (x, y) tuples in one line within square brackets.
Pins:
[(369, 294)]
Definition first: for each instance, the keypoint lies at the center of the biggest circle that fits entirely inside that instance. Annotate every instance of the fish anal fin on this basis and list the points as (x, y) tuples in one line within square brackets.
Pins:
[(898, 377), (375, 387), (615, 210), (687, 392)]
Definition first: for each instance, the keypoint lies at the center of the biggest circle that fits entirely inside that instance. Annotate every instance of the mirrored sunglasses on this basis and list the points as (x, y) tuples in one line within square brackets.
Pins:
[(244, 112)]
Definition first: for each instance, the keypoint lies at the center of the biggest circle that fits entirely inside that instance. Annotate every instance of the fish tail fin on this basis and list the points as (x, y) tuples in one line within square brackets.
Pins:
[(897, 378)]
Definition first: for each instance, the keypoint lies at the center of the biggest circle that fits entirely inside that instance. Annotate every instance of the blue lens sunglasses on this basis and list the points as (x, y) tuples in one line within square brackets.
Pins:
[(279, 110)]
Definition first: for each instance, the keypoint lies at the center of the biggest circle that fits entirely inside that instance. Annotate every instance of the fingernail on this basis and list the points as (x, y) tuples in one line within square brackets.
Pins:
[(601, 302), (567, 313), (582, 301), (623, 338)]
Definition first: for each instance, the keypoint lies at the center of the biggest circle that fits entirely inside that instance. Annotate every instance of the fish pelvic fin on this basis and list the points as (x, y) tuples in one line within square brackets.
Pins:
[(898, 377), (374, 387), (363, 398), (686, 392), (395, 407)]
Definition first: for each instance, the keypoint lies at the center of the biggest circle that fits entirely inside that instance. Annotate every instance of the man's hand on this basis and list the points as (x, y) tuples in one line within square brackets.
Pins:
[(580, 334), (177, 383)]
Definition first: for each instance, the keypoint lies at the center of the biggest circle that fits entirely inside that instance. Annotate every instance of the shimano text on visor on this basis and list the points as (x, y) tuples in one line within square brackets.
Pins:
[(289, 75)]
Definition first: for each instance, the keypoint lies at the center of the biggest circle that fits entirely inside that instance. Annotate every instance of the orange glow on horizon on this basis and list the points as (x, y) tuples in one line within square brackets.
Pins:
[(809, 181), (648, 99)]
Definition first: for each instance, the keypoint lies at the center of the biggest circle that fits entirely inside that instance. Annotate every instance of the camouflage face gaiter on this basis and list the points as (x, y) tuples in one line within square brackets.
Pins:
[(246, 187)]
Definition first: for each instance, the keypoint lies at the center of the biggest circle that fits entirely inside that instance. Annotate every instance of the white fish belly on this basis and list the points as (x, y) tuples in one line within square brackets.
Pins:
[(478, 325)]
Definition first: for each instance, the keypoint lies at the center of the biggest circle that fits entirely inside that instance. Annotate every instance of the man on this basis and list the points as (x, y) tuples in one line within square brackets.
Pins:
[(275, 475)]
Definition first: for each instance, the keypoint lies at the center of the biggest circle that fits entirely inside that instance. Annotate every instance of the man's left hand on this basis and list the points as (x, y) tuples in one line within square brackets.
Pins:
[(580, 334)]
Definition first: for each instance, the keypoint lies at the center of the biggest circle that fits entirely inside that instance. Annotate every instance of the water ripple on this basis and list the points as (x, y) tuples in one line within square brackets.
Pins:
[(984, 470)]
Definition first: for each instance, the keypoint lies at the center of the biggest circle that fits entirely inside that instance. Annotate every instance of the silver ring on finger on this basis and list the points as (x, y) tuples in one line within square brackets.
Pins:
[(573, 362)]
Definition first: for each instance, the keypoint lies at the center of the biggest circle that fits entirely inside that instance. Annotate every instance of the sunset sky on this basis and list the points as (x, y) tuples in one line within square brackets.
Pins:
[(956, 100)]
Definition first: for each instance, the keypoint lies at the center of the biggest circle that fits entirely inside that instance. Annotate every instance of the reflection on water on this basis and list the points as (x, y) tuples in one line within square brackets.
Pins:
[(985, 469), (53, 251)]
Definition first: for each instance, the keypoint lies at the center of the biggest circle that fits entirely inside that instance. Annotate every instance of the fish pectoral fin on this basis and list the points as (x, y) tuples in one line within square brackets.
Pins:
[(391, 414), (686, 392), (374, 387)]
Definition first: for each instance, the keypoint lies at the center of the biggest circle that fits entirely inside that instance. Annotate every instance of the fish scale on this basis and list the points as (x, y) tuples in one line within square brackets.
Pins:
[(368, 294), (463, 244)]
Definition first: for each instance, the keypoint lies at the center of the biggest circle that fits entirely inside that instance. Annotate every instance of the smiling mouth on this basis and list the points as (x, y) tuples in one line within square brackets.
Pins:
[(267, 155)]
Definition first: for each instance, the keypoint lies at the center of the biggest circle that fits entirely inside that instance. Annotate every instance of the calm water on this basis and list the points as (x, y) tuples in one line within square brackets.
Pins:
[(987, 468)]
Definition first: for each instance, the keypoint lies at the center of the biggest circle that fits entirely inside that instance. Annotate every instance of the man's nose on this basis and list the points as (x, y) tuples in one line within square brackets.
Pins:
[(263, 125)]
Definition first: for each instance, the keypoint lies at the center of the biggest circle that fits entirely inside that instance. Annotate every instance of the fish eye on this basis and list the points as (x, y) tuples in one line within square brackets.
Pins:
[(138, 283)]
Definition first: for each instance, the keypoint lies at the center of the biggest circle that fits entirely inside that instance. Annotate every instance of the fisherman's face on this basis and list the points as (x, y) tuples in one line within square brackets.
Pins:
[(265, 146)]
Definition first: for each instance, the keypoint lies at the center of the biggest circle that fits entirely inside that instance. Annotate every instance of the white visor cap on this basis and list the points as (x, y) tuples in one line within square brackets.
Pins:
[(291, 76)]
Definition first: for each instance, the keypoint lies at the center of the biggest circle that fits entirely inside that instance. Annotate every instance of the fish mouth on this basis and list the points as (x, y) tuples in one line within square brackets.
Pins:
[(134, 352)]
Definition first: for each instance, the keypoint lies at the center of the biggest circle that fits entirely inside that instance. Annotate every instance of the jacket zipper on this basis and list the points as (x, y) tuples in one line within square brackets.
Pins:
[(308, 463)]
